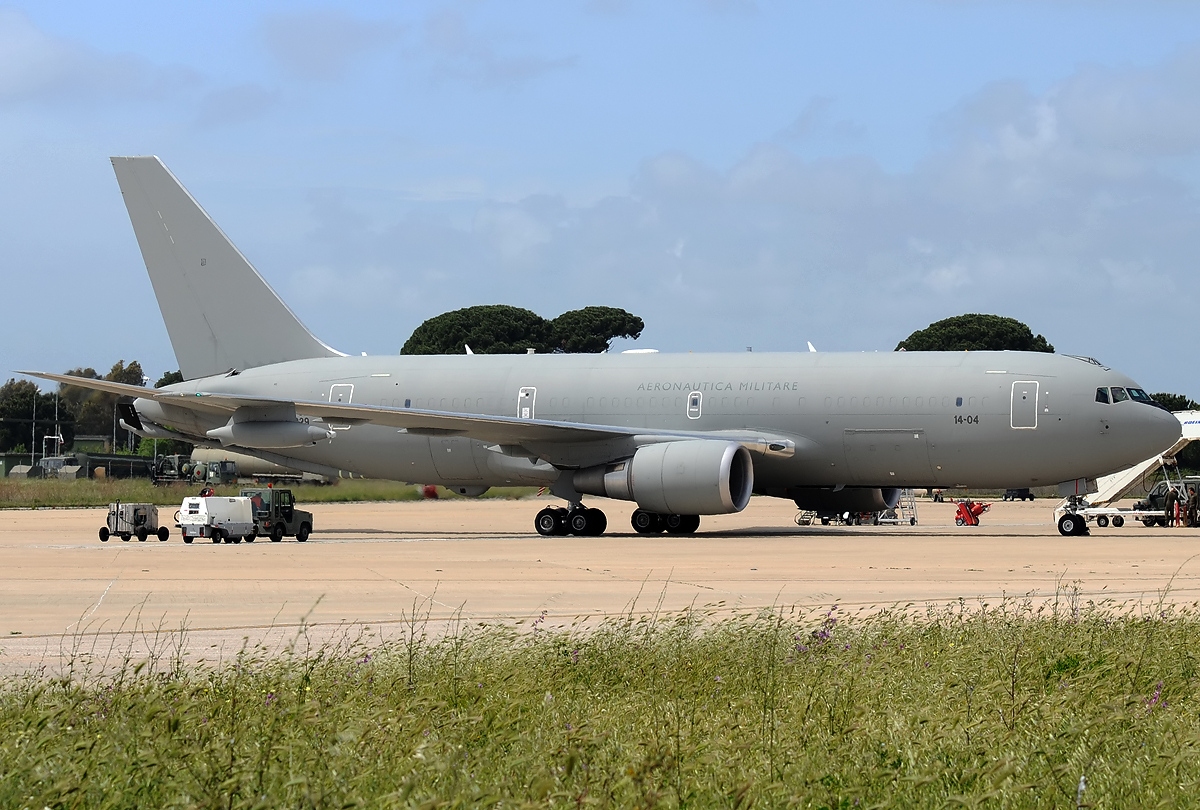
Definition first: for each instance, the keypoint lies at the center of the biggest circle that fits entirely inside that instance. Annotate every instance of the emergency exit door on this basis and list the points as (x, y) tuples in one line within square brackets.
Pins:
[(1024, 405), (526, 400), (341, 393)]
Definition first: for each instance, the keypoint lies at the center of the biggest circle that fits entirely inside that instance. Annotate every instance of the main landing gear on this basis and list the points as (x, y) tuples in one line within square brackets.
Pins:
[(586, 522), (652, 523), (579, 519)]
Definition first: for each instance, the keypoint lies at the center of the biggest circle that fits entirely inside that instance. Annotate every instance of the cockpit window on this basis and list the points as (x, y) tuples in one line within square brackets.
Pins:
[(1102, 395), (1138, 395), (1118, 394)]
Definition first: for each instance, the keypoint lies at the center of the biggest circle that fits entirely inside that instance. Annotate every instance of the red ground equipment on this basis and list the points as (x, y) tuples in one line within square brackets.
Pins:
[(969, 511)]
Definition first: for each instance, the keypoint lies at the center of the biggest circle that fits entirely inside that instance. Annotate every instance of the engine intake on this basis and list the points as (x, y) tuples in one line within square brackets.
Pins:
[(688, 477)]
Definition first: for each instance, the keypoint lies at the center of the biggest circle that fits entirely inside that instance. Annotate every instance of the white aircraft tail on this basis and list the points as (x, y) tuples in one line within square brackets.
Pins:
[(219, 312)]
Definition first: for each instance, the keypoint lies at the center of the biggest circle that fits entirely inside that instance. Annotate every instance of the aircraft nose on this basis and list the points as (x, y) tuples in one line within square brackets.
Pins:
[(1161, 429)]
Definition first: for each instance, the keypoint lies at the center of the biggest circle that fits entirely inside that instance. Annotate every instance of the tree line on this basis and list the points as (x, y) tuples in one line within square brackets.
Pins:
[(28, 416)]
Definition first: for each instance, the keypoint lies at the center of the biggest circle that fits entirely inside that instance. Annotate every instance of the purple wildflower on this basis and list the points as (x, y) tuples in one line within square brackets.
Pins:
[(1155, 700)]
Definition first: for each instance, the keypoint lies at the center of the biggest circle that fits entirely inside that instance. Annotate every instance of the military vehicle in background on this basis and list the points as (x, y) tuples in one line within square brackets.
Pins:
[(276, 515), (1156, 499)]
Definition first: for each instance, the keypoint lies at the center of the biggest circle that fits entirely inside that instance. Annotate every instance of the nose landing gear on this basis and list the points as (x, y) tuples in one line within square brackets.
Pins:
[(579, 519)]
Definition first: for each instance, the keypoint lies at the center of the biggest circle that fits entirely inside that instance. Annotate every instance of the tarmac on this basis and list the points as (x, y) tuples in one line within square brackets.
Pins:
[(379, 570)]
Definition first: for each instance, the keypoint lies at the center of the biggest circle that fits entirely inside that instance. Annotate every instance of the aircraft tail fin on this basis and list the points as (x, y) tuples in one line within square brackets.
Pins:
[(220, 313)]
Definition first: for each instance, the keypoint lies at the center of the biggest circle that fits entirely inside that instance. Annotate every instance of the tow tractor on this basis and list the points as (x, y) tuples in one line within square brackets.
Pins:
[(276, 515)]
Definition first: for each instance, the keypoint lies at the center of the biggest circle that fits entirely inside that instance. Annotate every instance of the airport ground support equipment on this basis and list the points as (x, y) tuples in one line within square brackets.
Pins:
[(128, 520), (968, 512), (1074, 512), (1019, 494), (276, 516), (220, 519), (905, 510)]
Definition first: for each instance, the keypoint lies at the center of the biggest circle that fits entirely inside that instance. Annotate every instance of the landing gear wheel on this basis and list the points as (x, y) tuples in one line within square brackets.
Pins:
[(104, 534), (681, 524), (548, 523), (303, 532), (1102, 521), (586, 522), (1118, 521), (277, 533), (142, 534), (644, 522), (1071, 525), (163, 534)]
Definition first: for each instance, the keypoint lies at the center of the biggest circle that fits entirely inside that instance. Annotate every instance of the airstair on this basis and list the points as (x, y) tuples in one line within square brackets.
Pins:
[(905, 510), (1112, 488)]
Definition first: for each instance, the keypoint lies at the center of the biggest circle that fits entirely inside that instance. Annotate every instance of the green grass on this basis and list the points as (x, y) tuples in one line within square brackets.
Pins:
[(1000, 707), (90, 492)]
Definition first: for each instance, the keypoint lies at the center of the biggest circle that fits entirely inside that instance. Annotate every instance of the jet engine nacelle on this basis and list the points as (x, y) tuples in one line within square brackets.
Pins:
[(688, 477), (849, 499), (270, 435)]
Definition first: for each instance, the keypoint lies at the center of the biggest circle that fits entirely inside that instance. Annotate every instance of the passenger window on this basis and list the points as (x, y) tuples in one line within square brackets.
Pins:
[(958, 402), (1118, 394), (1102, 395)]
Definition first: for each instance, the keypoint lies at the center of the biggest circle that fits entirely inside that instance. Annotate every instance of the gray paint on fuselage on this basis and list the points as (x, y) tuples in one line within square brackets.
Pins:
[(870, 419)]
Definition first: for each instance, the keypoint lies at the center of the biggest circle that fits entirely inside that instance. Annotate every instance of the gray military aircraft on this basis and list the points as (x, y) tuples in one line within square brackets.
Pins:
[(683, 435)]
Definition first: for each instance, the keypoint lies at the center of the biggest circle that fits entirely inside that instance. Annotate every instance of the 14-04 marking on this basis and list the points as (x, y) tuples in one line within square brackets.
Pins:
[(966, 420)]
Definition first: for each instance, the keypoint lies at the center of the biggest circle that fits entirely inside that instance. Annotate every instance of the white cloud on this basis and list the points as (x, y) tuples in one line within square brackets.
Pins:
[(462, 54), (1033, 205), (35, 66), (321, 45), (233, 105)]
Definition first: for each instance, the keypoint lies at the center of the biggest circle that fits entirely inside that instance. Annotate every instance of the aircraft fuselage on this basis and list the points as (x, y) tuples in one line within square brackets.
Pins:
[(981, 419)]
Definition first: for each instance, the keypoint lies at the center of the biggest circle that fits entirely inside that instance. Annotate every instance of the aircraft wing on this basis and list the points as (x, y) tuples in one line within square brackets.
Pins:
[(502, 430)]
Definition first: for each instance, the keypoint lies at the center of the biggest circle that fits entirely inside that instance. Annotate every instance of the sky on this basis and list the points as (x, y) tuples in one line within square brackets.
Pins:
[(738, 173)]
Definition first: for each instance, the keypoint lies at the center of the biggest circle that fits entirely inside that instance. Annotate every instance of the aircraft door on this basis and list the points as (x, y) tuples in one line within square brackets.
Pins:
[(694, 402), (1024, 405), (526, 400), (343, 393)]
